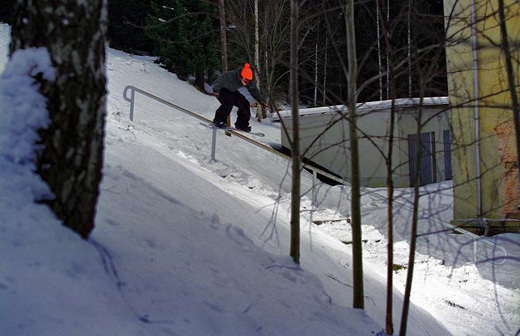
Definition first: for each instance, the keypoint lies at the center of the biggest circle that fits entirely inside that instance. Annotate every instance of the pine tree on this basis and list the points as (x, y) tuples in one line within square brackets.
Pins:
[(126, 21), (186, 37), (7, 11)]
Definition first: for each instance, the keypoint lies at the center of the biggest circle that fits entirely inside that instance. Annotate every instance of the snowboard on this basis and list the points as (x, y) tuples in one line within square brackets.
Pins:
[(229, 128)]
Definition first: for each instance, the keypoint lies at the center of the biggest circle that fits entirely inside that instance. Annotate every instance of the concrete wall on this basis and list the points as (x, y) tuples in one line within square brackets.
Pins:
[(498, 171)]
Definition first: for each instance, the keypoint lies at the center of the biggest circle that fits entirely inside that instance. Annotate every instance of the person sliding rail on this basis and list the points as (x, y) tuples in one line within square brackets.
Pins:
[(225, 89)]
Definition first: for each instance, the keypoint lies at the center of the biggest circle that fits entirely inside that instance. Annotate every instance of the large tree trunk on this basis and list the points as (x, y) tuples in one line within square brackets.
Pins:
[(295, 150), (70, 159)]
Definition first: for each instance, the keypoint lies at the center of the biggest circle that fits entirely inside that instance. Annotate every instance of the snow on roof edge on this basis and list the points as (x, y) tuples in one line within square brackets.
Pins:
[(373, 106)]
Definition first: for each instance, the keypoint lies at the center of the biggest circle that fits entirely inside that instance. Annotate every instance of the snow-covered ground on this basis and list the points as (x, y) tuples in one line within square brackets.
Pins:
[(185, 246)]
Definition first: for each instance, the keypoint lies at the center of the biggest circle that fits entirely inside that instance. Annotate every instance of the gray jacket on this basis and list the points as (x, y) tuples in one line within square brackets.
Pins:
[(231, 80)]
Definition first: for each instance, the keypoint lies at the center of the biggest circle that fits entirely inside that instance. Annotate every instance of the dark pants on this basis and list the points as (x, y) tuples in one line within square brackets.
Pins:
[(229, 99)]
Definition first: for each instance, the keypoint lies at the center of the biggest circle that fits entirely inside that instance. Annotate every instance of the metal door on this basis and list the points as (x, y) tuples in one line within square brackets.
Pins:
[(427, 169)]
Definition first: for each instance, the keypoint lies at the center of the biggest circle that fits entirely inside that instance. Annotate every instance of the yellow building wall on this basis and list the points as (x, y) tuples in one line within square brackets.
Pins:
[(498, 171)]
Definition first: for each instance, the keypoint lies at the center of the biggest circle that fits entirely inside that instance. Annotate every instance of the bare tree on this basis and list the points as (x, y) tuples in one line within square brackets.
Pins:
[(295, 150), (260, 110), (273, 40), (383, 22), (355, 208), (223, 37), (223, 42), (71, 157), (398, 59), (425, 75)]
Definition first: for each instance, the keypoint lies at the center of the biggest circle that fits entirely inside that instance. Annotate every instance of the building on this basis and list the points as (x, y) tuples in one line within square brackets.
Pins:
[(485, 170), (324, 139)]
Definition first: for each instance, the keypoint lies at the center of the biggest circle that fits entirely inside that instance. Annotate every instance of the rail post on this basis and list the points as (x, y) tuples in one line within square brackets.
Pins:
[(130, 99), (314, 178), (213, 143)]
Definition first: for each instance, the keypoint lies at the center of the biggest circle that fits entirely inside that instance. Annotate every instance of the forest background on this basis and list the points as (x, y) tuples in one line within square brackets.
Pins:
[(185, 37)]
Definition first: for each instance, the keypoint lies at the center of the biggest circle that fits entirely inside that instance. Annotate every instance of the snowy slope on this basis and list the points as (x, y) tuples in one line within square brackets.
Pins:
[(185, 246)]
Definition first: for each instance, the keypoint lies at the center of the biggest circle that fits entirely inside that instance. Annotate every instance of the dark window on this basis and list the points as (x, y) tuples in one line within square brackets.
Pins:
[(427, 168)]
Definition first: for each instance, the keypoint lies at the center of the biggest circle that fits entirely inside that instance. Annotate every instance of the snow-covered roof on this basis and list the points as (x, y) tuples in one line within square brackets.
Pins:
[(382, 106)]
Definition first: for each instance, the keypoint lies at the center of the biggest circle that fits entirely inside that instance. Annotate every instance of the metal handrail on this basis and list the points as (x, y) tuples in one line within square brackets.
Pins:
[(131, 100), (314, 169)]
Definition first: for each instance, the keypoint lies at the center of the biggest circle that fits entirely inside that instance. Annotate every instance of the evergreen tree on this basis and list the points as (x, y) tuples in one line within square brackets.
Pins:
[(126, 21), (7, 11), (186, 37)]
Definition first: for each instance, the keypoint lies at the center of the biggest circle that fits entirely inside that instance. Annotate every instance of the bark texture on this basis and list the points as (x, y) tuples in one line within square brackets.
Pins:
[(70, 154), (295, 150)]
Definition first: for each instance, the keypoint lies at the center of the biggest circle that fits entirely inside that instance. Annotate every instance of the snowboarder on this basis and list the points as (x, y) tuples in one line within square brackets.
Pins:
[(225, 88)]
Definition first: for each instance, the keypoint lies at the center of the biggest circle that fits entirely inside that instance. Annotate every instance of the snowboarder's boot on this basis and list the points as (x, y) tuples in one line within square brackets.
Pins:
[(220, 124), (244, 129)]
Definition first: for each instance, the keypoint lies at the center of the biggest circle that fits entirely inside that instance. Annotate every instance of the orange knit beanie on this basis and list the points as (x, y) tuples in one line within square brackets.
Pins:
[(246, 72)]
